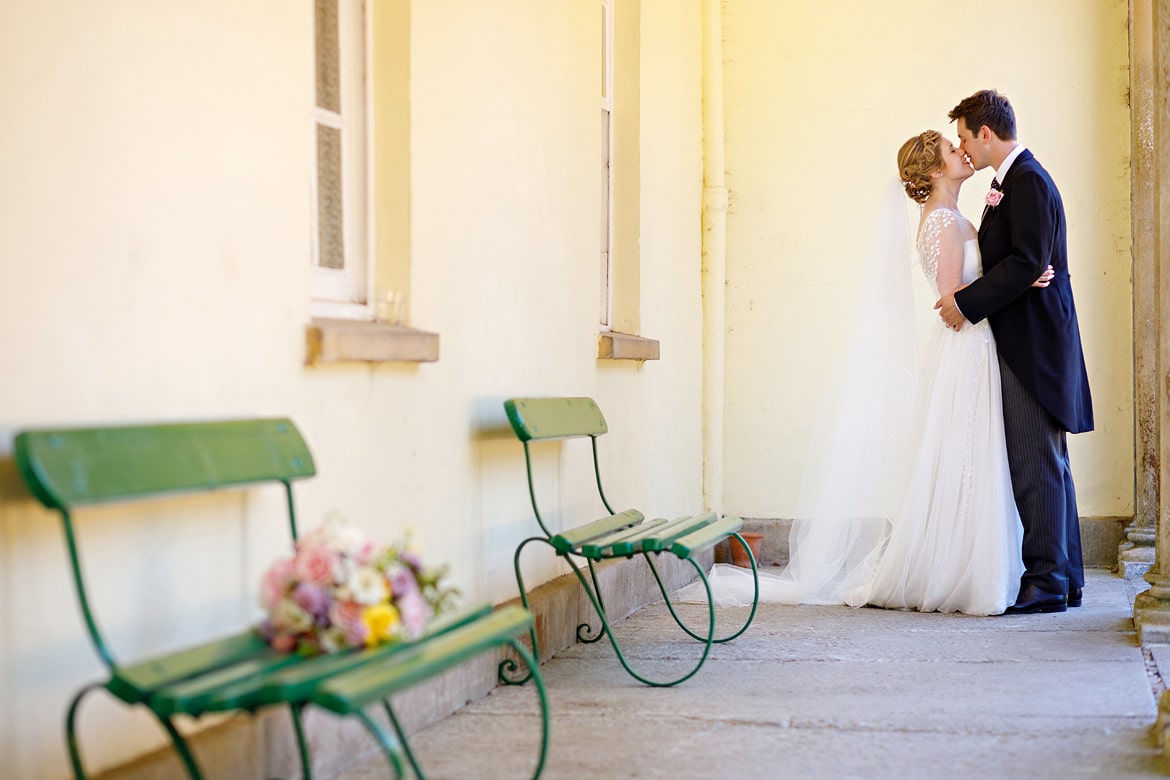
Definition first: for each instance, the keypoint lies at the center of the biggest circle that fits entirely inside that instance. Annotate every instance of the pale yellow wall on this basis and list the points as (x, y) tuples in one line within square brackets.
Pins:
[(154, 227), (819, 96)]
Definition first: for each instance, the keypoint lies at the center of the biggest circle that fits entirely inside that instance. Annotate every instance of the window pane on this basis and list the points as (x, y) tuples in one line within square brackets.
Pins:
[(605, 180), (331, 240), (328, 56), (605, 288), (606, 213)]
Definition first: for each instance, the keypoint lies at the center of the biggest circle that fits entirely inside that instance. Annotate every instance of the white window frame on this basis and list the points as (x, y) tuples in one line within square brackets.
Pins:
[(347, 292), (606, 264)]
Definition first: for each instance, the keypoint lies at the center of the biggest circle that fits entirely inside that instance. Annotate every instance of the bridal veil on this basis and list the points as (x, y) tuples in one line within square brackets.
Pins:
[(860, 451)]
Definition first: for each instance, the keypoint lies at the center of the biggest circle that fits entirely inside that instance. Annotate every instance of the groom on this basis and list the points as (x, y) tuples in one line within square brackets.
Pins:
[(1045, 386)]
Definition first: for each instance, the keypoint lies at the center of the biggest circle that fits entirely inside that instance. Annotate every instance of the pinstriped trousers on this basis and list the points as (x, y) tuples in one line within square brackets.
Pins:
[(1043, 486)]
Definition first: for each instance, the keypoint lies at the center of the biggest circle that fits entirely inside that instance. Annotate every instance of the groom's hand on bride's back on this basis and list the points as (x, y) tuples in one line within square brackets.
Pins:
[(949, 310), (1045, 278)]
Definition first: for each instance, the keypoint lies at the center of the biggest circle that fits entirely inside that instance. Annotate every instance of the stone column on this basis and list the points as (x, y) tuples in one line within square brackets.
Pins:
[(1135, 555), (1152, 608)]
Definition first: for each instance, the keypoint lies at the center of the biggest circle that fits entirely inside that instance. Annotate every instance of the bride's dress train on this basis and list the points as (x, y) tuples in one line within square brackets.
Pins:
[(952, 543)]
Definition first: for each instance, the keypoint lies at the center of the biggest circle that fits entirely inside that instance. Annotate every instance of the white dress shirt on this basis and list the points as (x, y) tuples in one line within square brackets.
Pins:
[(1006, 165)]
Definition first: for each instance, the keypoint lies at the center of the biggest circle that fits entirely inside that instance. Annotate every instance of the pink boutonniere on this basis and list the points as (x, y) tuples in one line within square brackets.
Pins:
[(993, 198)]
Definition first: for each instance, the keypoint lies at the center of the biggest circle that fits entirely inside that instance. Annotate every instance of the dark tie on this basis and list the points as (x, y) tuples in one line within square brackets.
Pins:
[(995, 185)]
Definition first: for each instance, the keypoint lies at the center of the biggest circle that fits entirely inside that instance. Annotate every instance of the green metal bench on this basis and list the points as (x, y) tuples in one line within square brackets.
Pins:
[(70, 469), (617, 535)]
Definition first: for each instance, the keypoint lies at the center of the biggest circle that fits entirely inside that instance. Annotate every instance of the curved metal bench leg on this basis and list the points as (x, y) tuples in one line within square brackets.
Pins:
[(608, 631), (71, 731), (585, 632), (402, 740), (75, 754), (669, 604), (674, 614), (181, 747), (299, 727), (389, 745), (756, 595), (508, 667), (535, 673)]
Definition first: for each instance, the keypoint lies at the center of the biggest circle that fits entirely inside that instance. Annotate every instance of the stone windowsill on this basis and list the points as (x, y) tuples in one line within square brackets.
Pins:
[(623, 346), (332, 341)]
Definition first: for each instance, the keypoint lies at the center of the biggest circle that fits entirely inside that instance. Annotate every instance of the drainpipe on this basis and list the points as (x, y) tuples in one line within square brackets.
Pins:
[(714, 256)]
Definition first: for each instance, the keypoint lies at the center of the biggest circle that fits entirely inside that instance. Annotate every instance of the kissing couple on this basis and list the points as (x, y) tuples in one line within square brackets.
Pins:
[(944, 484)]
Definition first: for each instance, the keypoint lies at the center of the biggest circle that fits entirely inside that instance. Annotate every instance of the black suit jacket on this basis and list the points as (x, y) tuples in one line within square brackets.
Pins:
[(1035, 329)]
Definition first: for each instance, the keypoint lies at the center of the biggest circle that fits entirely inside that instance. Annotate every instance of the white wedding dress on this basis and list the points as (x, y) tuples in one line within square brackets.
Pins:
[(952, 540)]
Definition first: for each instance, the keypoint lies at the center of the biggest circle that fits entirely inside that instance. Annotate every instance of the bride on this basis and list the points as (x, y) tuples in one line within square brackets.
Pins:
[(907, 500)]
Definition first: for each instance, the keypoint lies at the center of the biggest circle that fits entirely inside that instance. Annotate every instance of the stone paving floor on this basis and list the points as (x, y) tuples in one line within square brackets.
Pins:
[(831, 692)]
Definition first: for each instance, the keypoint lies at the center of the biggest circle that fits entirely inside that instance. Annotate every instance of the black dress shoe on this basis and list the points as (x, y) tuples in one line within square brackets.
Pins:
[(1074, 596), (1032, 599)]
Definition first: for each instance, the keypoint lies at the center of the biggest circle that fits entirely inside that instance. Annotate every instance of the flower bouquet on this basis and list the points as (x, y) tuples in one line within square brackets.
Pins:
[(341, 590)]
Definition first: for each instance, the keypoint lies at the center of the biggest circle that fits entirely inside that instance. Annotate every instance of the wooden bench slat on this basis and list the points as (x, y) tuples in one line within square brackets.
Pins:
[(569, 541), (279, 677), (679, 528), (672, 530), (707, 536), (353, 690), (135, 683), (232, 687), (621, 542)]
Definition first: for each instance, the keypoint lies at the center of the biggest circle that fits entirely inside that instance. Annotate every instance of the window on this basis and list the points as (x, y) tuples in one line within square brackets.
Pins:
[(363, 81), (621, 273), (621, 166), (341, 201)]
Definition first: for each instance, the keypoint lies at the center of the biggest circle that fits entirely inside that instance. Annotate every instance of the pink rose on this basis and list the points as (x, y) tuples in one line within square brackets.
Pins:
[(357, 634), (347, 616), (275, 583), (317, 565), (993, 198)]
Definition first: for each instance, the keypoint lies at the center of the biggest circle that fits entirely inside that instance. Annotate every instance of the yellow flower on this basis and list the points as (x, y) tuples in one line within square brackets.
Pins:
[(380, 620)]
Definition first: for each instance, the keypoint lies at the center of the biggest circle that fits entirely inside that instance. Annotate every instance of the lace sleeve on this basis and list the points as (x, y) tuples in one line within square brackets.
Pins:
[(930, 240), (940, 231)]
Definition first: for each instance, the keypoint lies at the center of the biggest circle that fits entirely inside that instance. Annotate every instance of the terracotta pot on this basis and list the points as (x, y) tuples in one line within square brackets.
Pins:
[(739, 555)]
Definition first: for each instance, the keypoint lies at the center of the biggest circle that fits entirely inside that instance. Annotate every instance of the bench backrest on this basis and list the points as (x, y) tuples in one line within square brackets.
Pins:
[(73, 467), (66, 468), (554, 418), (538, 419)]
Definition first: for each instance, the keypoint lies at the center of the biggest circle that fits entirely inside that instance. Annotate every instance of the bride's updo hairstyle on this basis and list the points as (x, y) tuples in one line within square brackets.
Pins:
[(917, 159)]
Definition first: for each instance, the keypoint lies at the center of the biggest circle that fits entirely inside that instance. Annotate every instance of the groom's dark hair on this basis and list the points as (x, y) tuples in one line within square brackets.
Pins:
[(987, 107)]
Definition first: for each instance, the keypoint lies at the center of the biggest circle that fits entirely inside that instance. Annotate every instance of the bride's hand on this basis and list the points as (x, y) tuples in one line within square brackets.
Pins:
[(949, 311), (1045, 278)]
